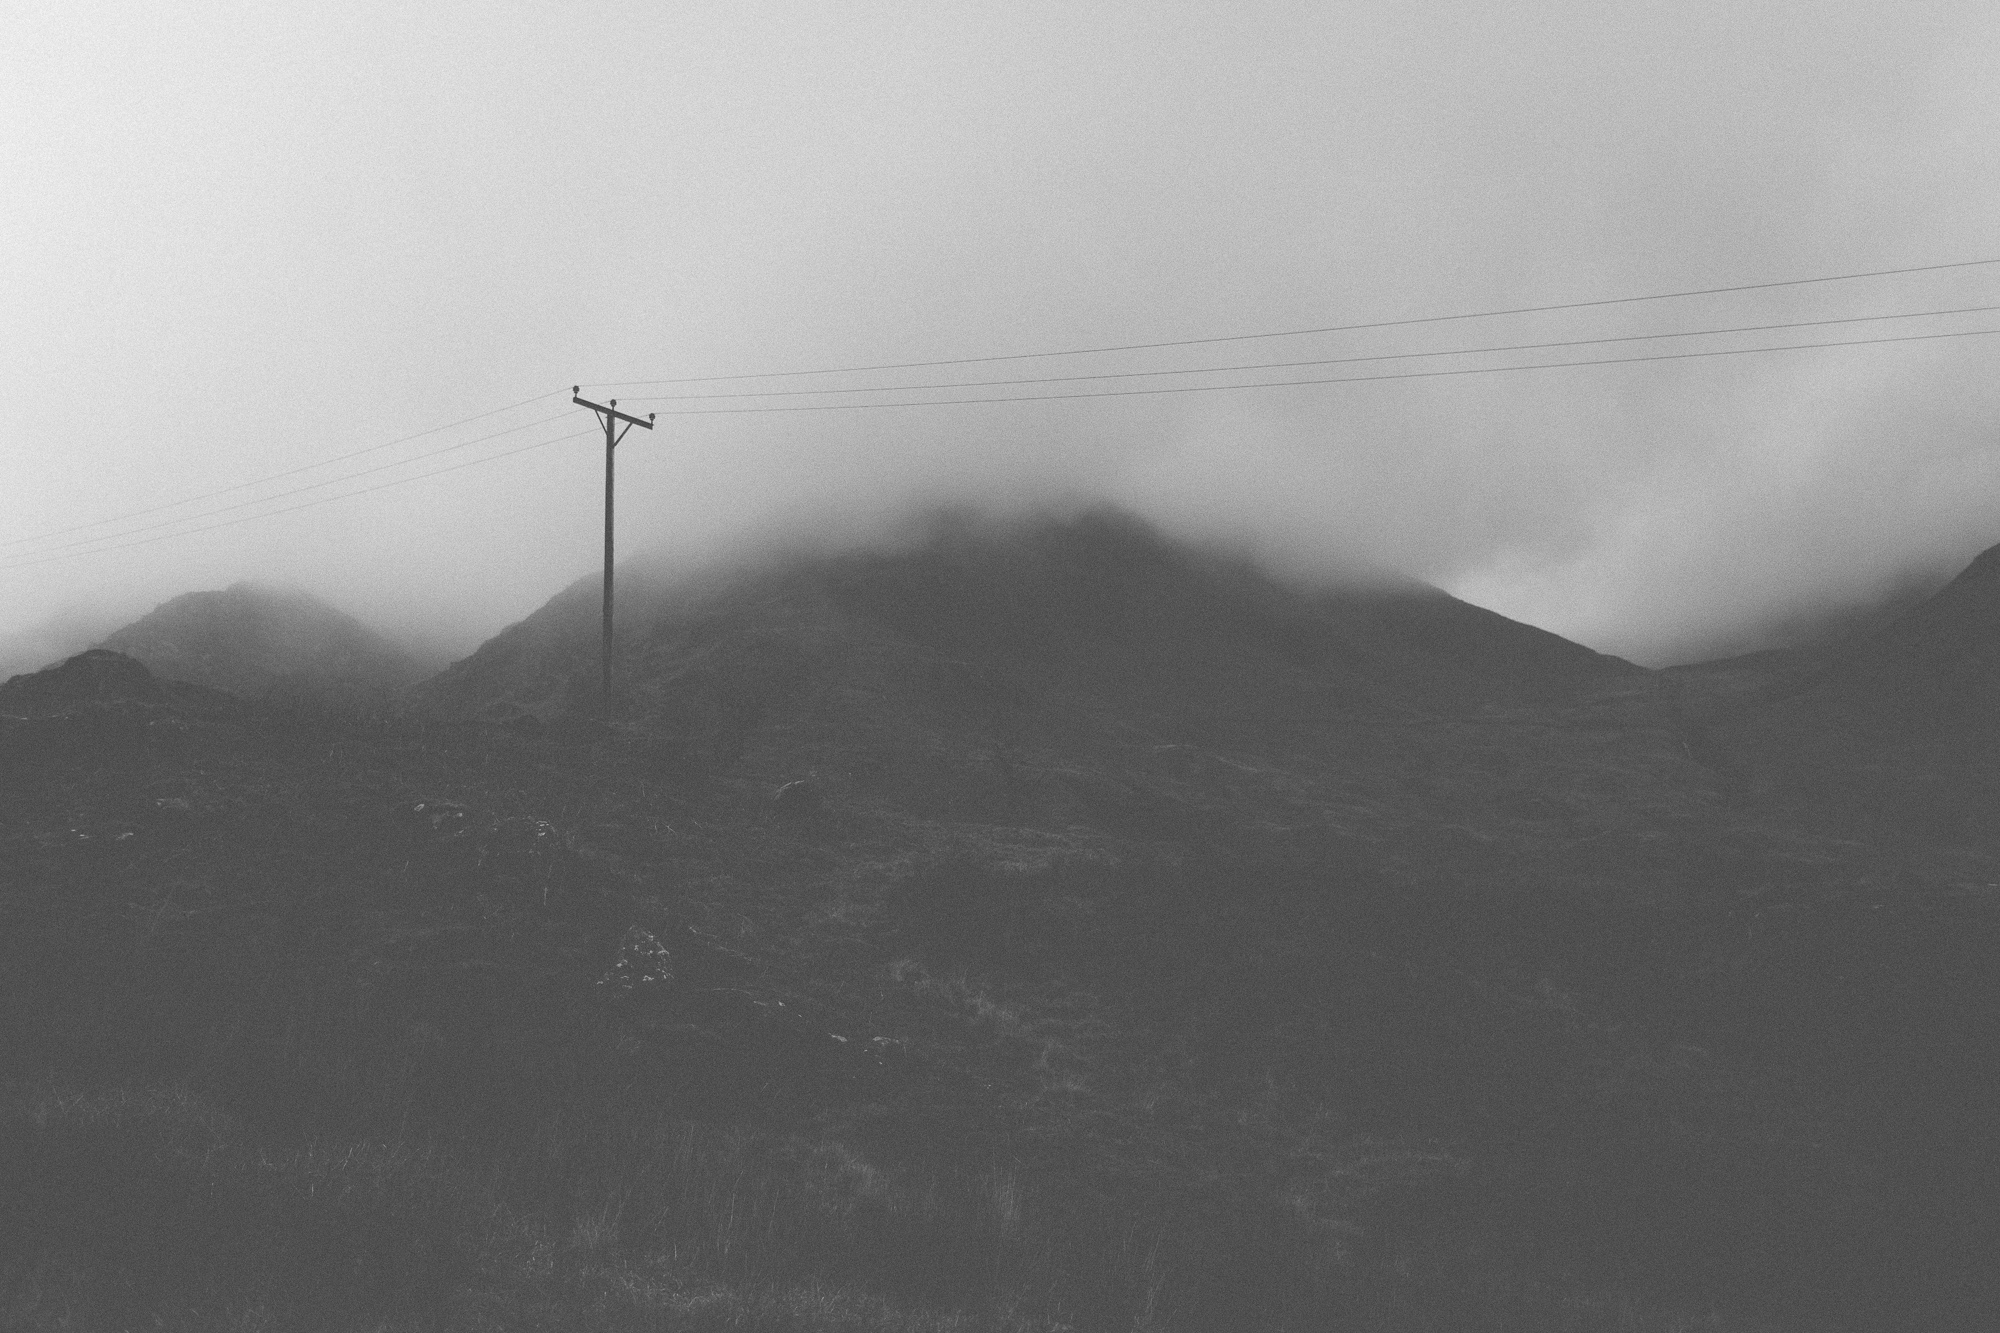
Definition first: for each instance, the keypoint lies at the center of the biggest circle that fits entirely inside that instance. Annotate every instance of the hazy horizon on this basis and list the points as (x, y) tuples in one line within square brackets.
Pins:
[(242, 243)]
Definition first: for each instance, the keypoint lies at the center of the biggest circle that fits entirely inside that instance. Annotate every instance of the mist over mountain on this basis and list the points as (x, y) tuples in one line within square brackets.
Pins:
[(1934, 668), (1921, 668), (1819, 627), (1257, 906), (261, 641), (993, 620), (1890, 727), (49, 641)]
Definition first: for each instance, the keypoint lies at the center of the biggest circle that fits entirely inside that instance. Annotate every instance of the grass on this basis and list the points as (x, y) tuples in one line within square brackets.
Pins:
[(286, 1053)]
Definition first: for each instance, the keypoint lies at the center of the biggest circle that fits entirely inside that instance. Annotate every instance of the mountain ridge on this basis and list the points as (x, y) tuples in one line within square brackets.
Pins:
[(1933, 669), (256, 641), (1095, 604)]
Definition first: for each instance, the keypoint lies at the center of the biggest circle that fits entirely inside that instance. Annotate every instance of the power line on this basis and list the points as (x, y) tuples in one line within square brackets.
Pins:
[(1346, 379), (325, 499), (279, 476), (297, 490), (950, 402), (1123, 393), (1325, 361), (1298, 333)]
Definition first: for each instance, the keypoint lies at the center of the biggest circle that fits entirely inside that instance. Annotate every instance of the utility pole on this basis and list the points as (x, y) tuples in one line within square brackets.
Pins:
[(613, 433)]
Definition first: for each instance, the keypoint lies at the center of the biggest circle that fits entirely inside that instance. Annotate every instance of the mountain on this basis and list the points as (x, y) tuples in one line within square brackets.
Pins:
[(1011, 633), (60, 636), (1815, 630), (260, 641), (1920, 671), (101, 708), (1933, 669), (1894, 729), (1035, 929), (95, 676)]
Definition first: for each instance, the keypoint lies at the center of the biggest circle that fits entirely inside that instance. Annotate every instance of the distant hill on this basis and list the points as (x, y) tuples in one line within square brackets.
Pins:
[(1932, 672), (1027, 637), (96, 676), (101, 706), (259, 642), (1813, 631), (49, 641), (1894, 728)]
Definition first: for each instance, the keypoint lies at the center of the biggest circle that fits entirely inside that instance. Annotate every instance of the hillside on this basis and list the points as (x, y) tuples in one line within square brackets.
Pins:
[(60, 636), (1012, 631), (1895, 730), (1046, 930), (1069, 686), (1931, 670), (257, 641)]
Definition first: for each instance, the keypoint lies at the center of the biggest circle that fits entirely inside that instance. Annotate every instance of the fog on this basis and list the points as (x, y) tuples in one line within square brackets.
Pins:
[(242, 241)]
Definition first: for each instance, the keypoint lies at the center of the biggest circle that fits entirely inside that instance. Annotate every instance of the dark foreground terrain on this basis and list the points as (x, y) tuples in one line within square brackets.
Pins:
[(869, 976)]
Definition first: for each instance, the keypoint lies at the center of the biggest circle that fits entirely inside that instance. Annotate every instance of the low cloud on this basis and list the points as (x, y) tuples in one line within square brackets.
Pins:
[(244, 246)]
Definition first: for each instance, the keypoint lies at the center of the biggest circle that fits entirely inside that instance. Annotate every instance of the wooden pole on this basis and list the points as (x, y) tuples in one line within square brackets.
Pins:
[(613, 433), (610, 445)]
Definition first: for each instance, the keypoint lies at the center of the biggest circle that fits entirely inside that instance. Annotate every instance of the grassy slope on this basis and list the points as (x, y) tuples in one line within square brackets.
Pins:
[(1494, 1023), (1285, 973)]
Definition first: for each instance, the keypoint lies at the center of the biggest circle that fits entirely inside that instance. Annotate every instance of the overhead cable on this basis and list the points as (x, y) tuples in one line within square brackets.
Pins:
[(1345, 379), (299, 490), (1323, 361), (95, 543), (291, 509), (1299, 333), (279, 476)]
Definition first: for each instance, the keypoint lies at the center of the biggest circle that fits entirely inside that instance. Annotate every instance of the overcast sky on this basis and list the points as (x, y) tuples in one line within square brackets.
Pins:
[(239, 238)]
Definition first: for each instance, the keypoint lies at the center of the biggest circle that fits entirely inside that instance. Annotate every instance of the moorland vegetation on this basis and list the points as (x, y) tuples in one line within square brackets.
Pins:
[(1025, 931)]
